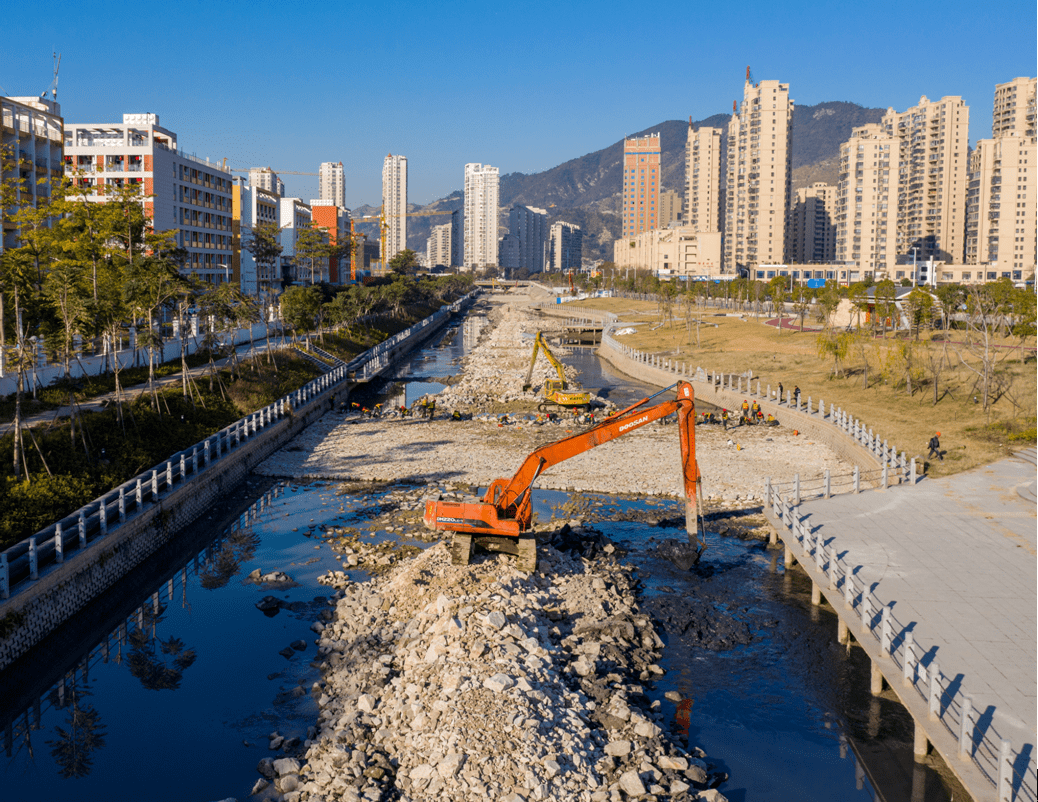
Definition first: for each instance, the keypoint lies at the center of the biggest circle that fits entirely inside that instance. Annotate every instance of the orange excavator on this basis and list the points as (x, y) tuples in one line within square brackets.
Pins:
[(501, 521)]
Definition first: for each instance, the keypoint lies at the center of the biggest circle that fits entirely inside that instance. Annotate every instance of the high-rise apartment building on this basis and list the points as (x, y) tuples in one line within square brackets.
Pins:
[(394, 203), (812, 225), (332, 183), (670, 208), (481, 213), (438, 247), (933, 141), (866, 203), (265, 178), (703, 187), (529, 225), (642, 175), (565, 247), (1002, 194), (1014, 109), (508, 252), (180, 192), (759, 177)]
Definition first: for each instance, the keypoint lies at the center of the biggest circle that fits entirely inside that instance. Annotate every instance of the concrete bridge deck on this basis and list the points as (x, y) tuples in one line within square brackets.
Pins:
[(955, 560)]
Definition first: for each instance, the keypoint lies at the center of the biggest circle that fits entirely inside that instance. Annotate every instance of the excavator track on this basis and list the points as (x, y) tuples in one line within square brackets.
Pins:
[(461, 549), (526, 559)]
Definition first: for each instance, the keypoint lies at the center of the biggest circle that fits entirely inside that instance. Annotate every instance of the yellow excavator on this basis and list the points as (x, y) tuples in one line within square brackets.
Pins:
[(555, 390)]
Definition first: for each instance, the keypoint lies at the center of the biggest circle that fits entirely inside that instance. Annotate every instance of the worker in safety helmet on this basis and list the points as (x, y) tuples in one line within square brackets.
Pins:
[(935, 447)]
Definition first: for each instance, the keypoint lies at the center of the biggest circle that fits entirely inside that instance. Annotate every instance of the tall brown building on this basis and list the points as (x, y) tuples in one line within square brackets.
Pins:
[(642, 173), (759, 176)]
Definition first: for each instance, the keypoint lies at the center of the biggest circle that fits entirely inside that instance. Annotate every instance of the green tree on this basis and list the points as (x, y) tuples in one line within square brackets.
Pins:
[(777, 291), (835, 346), (404, 263), (301, 308), (264, 243), (828, 302), (311, 247)]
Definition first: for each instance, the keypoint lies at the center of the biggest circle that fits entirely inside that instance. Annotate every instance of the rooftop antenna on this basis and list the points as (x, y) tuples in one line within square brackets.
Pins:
[(53, 88)]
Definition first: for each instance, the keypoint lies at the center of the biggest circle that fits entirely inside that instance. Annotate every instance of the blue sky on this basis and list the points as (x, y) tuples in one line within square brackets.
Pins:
[(521, 86)]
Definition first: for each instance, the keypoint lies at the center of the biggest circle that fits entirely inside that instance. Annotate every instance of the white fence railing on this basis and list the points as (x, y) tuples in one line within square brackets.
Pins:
[(1011, 772), (23, 562)]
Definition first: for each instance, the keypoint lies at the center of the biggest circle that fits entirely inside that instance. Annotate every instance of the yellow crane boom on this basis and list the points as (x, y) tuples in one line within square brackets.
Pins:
[(556, 390)]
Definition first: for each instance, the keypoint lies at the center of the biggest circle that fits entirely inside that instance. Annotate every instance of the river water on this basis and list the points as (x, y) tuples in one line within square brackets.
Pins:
[(171, 692)]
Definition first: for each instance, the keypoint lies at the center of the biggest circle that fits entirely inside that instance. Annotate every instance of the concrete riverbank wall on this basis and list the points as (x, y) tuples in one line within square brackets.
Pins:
[(60, 570)]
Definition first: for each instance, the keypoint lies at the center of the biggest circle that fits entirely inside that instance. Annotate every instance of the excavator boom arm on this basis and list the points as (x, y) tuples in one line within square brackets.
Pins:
[(540, 345), (616, 426)]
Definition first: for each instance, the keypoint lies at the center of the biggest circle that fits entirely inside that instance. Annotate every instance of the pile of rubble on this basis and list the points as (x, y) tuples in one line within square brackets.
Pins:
[(478, 682)]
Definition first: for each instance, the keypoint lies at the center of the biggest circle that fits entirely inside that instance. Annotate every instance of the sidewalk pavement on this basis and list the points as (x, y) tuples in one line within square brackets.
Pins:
[(956, 556)]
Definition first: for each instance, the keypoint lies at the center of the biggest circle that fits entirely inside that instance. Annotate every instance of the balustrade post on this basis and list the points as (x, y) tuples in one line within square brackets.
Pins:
[(935, 691), (1005, 771), (767, 491), (140, 493), (886, 636), (809, 405), (857, 479), (59, 544), (183, 466), (908, 677), (866, 610), (965, 728), (205, 452), (102, 516), (122, 504), (886, 481), (34, 566), (828, 484), (82, 529), (154, 486), (819, 553), (912, 479), (194, 460), (848, 587), (5, 577), (796, 489), (169, 475)]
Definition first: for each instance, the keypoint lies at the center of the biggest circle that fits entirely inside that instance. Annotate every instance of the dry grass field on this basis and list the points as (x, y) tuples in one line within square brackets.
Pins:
[(969, 435)]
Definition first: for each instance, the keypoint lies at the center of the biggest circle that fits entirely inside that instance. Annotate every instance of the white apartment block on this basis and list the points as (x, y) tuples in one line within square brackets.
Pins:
[(670, 208), (295, 215), (180, 192), (530, 226), (933, 142), (703, 185), (265, 178), (866, 203), (481, 214), (253, 205), (565, 247), (669, 252), (332, 185), (31, 148), (759, 175), (812, 225), (1014, 109), (394, 203), (1001, 206), (438, 246)]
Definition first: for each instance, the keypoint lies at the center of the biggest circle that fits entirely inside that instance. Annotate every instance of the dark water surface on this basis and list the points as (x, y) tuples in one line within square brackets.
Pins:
[(171, 692)]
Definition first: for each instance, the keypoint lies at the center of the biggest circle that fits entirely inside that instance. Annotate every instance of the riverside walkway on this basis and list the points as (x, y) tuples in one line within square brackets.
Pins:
[(954, 561)]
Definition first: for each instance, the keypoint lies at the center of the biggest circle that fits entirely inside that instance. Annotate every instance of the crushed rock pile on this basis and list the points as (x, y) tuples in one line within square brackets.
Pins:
[(478, 682)]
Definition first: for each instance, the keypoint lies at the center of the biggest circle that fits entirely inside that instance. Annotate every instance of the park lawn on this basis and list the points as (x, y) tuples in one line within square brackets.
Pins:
[(968, 435)]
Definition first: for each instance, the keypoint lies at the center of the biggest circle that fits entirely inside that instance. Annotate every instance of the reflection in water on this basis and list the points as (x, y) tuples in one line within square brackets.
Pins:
[(157, 663), (74, 744)]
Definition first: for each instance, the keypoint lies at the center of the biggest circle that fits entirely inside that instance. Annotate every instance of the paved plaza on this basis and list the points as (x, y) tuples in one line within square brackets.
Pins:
[(958, 558)]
